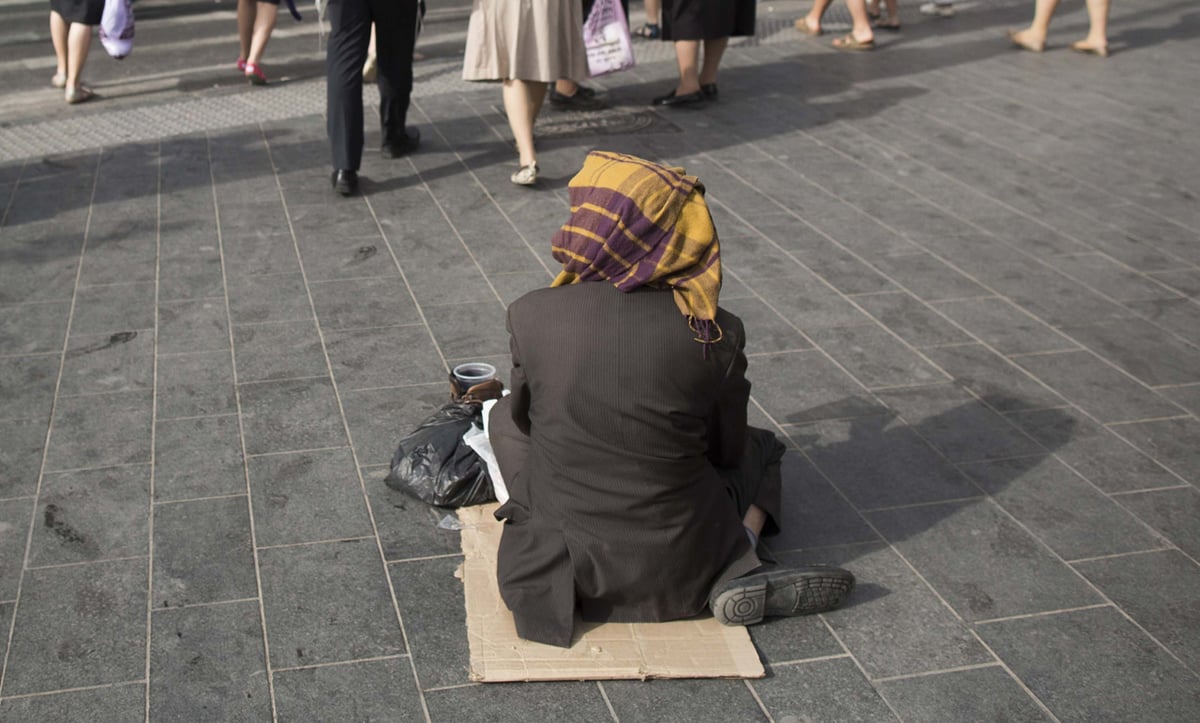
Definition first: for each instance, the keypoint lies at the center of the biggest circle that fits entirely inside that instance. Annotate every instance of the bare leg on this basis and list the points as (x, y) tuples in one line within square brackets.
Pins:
[(565, 86), (1097, 37), (264, 23), (1034, 37), (58, 35), (79, 40), (687, 55), (754, 520), (713, 50), (860, 22), (813, 19), (522, 102), (245, 21), (893, 12)]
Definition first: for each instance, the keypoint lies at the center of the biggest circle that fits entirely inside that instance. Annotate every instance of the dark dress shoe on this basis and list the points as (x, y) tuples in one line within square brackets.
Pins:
[(583, 99), (709, 90), (772, 591), (671, 100), (345, 182), (402, 146)]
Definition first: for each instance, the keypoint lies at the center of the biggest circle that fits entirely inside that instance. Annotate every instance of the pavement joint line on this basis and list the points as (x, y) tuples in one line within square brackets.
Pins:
[(948, 381), (803, 661), (458, 686), (1170, 418), (338, 663), (32, 354), (286, 452), (218, 415), (276, 381), (16, 499), (1116, 555), (607, 703), (1122, 493), (312, 543), (425, 558), (1012, 674), (862, 670), (369, 328), (86, 395), (415, 385), (81, 563), (758, 699), (1045, 613), (211, 498), (80, 689), (931, 503), (941, 671), (1047, 352), (208, 604), (122, 465)]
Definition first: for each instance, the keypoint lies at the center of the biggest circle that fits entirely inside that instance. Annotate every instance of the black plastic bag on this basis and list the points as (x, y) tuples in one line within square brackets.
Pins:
[(434, 465)]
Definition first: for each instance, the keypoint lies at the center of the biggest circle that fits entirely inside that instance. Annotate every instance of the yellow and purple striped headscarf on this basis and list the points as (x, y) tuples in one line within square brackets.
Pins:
[(635, 223)]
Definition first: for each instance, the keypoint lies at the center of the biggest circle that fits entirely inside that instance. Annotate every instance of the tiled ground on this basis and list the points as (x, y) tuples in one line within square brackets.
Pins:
[(970, 281)]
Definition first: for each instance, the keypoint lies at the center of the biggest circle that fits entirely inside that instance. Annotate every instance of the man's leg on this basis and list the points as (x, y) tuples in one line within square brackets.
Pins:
[(350, 24), (396, 37)]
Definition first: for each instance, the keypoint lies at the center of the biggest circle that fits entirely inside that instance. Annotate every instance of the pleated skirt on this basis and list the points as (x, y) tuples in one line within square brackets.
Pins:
[(534, 40), (707, 19)]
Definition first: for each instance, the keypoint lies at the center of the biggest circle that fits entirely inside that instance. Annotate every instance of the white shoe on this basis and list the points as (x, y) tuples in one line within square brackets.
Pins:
[(526, 175), (942, 10)]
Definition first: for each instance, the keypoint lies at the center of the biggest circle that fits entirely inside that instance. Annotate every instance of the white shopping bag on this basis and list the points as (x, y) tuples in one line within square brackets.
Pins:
[(606, 37), (116, 28)]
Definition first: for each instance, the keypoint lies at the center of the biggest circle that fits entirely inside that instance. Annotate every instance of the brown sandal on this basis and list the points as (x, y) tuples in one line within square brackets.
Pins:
[(849, 42), (803, 26)]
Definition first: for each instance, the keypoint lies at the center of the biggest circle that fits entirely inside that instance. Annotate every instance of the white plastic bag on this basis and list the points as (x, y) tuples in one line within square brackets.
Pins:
[(116, 28), (478, 440), (606, 37)]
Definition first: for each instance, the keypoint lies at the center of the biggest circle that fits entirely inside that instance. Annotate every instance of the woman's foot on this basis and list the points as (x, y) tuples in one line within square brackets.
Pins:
[(1091, 47), (241, 65), (525, 175), (648, 31), (1027, 40), (79, 94), (59, 80), (254, 74), (850, 42), (807, 28), (891, 25)]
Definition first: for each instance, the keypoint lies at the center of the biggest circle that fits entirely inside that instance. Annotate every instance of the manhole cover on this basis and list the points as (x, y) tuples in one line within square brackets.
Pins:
[(607, 122)]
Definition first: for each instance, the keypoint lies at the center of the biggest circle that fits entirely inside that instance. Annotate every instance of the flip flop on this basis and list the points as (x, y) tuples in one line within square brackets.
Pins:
[(803, 26), (849, 42), (1024, 45), (1081, 47)]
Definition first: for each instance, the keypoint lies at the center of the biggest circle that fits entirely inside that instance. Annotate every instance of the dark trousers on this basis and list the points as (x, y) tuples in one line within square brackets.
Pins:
[(350, 34)]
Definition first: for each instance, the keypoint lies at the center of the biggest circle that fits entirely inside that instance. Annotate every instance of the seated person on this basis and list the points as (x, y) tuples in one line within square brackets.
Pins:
[(637, 491)]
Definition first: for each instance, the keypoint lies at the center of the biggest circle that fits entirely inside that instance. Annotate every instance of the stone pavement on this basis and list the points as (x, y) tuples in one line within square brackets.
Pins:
[(969, 278)]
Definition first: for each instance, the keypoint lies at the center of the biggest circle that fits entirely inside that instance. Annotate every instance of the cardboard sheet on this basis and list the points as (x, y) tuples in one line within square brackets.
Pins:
[(697, 648)]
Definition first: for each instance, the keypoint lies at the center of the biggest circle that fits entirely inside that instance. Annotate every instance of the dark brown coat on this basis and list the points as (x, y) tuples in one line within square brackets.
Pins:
[(617, 507)]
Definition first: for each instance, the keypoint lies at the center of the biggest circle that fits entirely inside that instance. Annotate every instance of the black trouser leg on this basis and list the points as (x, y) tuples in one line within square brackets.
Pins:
[(395, 38), (350, 22)]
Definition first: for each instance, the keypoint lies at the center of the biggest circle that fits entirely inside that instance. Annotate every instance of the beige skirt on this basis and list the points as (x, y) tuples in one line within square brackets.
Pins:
[(535, 40)]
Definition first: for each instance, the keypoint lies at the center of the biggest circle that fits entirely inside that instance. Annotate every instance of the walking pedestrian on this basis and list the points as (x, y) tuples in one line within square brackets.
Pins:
[(256, 22), (691, 24), (350, 33), (1034, 37), (860, 37), (71, 23)]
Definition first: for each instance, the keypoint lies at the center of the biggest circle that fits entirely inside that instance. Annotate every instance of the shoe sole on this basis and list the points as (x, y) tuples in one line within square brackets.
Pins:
[(749, 602)]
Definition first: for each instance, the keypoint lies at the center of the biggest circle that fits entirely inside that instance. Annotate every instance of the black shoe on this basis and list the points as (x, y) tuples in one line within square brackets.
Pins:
[(709, 90), (407, 143), (771, 591), (678, 101), (345, 182), (583, 99)]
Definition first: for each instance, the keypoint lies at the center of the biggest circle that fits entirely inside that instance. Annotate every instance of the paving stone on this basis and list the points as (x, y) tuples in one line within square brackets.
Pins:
[(875, 357), (100, 430), (384, 357), (1160, 591), (122, 244), (765, 331), (1093, 664), (753, 257), (512, 286), (797, 387), (263, 251), (1185, 281), (408, 528), (90, 515), (191, 326), (928, 278), (21, 456), (468, 330), (198, 457), (983, 694), (79, 626), (119, 704), (107, 308), (846, 273), (209, 663), (958, 425), (362, 303), (683, 700), (327, 603), (1112, 278), (982, 563), (1061, 508), (990, 376), (1171, 442), (290, 416), (307, 497), (365, 691), (100, 363), (192, 385), (808, 303), (881, 462), (14, 533), (1005, 327), (1145, 352), (911, 320), (338, 254), (814, 513), (1187, 397), (892, 623), (434, 612), (269, 297), (33, 328), (179, 280), (287, 350), (379, 418), (577, 701), (1172, 512), (819, 691), (28, 383), (202, 552), (1175, 315)]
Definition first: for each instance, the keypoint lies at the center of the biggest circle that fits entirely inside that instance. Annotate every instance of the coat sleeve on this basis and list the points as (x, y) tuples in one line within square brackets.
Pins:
[(727, 426)]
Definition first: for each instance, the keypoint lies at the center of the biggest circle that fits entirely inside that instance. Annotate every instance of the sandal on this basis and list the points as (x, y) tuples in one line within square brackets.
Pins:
[(79, 94), (891, 26), (525, 175), (59, 80), (648, 31), (803, 26), (849, 42)]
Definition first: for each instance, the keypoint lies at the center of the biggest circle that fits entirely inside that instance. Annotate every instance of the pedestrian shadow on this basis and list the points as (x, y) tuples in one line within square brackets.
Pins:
[(845, 469)]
